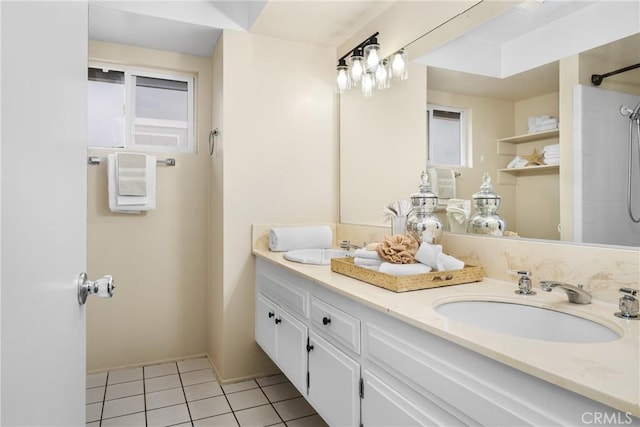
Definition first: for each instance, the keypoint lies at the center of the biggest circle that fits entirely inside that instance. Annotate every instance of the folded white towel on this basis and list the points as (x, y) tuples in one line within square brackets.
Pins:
[(443, 183), (427, 254), (282, 239), (403, 269), (552, 161), (363, 253), (552, 147), (517, 162), (362, 262), (542, 128), (131, 174), (447, 262), (131, 204)]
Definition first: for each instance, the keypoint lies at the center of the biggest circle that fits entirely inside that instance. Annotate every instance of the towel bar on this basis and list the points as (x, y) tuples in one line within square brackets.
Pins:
[(95, 160)]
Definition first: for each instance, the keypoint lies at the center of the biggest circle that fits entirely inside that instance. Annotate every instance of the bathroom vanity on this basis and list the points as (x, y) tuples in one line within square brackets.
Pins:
[(364, 355)]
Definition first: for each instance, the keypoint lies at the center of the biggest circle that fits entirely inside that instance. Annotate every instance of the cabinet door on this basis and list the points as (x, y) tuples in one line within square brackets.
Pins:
[(334, 381), (382, 406), (265, 327), (291, 352)]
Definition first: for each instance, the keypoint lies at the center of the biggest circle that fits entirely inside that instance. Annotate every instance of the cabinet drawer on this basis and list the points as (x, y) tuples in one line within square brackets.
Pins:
[(283, 291), (336, 324)]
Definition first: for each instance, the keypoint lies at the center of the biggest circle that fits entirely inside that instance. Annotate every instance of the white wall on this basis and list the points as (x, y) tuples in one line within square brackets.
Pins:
[(276, 162), (601, 144), (159, 259)]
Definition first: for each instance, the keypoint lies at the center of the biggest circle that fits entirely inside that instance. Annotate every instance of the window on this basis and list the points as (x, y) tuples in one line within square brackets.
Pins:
[(140, 110), (446, 136)]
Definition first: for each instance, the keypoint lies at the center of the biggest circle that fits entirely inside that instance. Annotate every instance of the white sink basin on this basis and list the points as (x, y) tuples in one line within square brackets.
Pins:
[(526, 321), (315, 256)]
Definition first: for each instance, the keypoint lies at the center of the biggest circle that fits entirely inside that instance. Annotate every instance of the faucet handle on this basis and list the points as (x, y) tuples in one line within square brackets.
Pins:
[(628, 304), (524, 283)]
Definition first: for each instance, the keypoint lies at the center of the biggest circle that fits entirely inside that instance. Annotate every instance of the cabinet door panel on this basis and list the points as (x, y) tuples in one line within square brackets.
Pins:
[(333, 383), (291, 353), (383, 406), (265, 327)]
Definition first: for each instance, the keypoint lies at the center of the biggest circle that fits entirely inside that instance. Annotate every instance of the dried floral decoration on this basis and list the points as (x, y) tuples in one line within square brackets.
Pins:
[(398, 249)]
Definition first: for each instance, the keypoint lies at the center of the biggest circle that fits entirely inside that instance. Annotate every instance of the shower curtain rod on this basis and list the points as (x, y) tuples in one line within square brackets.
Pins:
[(596, 79)]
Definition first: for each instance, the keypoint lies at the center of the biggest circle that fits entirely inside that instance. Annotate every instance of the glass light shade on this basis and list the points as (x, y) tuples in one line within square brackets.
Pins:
[(343, 81), (371, 56), (399, 65), (382, 75), (357, 66), (368, 82)]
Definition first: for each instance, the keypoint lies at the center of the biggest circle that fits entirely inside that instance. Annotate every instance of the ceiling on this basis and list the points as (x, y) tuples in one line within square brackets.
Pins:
[(515, 56), (193, 26), (467, 64)]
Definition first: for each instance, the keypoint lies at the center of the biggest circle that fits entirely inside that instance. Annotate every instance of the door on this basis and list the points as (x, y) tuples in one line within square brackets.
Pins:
[(43, 211), (265, 326), (291, 349), (333, 383), (383, 406)]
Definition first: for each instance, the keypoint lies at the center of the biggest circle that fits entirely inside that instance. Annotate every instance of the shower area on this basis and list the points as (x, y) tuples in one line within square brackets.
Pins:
[(603, 199)]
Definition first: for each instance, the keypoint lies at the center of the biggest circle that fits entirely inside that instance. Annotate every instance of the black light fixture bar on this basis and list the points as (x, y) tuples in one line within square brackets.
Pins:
[(360, 46), (596, 79)]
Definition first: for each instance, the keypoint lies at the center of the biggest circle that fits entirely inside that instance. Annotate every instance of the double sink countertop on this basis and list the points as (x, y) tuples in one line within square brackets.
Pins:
[(607, 372)]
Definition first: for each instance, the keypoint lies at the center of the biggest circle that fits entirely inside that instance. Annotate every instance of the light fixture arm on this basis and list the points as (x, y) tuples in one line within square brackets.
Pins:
[(367, 41)]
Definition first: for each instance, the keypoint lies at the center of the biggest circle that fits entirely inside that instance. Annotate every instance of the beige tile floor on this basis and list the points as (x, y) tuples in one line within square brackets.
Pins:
[(186, 393)]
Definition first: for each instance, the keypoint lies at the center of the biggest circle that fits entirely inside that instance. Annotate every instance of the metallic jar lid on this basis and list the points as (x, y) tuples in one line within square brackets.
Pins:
[(486, 198), (425, 200)]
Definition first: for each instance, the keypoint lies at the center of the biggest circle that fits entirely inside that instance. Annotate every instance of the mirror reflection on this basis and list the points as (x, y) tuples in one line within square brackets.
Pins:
[(520, 108)]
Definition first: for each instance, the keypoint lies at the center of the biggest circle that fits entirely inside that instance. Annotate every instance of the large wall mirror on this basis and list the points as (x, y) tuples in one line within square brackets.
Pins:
[(517, 63)]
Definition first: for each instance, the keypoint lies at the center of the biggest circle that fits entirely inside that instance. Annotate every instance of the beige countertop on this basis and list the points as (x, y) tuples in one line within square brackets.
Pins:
[(606, 372)]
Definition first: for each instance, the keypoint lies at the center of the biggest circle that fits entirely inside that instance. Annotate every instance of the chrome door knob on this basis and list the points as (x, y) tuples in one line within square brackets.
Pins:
[(103, 287)]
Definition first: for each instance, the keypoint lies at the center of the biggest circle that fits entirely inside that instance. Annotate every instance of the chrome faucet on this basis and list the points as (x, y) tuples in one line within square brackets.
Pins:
[(347, 245), (576, 294)]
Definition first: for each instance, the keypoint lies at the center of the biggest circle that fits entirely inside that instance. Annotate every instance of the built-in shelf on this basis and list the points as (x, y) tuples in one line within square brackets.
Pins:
[(509, 175), (507, 146)]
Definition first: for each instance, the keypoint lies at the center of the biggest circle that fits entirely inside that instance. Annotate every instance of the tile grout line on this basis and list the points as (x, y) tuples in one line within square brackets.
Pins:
[(186, 402), (104, 398), (273, 407), (144, 396)]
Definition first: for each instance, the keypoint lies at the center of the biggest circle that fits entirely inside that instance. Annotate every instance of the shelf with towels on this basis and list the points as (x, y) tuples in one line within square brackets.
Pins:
[(506, 146), (95, 160), (508, 175)]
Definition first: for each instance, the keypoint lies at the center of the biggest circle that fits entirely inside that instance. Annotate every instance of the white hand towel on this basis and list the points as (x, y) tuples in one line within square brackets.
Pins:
[(427, 254), (403, 269), (447, 262), (363, 262), (131, 174), (443, 183), (363, 253), (282, 239), (131, 204)]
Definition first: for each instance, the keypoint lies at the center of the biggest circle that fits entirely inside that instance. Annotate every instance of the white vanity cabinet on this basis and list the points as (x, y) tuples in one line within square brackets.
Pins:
[(334, 381), (357, 365), (280, 333)]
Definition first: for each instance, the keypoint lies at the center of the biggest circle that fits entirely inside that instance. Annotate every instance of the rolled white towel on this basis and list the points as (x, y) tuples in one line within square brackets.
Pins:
[(363, 253), (403, 269), (447, 262), (362, 262), (282, 239), (427, 254)]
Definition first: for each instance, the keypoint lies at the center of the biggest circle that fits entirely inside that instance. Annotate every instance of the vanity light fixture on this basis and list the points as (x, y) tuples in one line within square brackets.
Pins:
[(372, 60), (367, 69), (357, 66), (399, 64), (343, 81)]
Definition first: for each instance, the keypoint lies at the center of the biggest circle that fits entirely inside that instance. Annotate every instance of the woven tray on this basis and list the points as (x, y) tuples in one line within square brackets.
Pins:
[(468, 274)]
